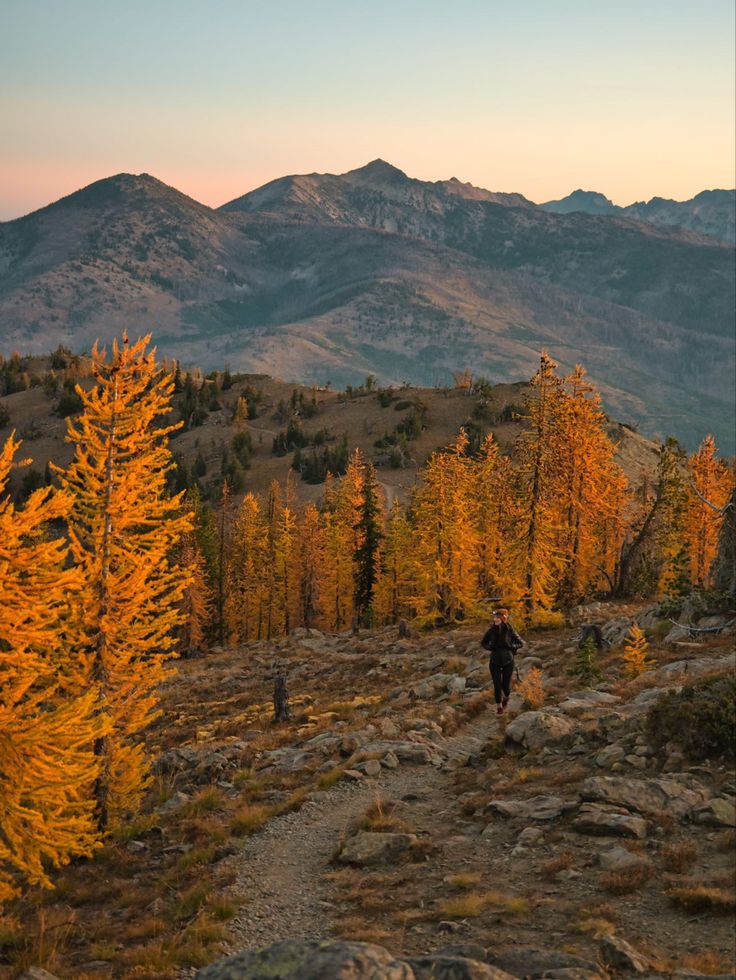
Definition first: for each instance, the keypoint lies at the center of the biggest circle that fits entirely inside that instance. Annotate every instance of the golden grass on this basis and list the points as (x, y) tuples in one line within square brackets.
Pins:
[(702, 898), (627, 880), (474, 903), (463, 882), (678, 858), (249, 818), (594, 926)]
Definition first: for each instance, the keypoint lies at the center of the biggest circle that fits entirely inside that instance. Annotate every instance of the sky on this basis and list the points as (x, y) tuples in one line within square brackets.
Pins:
[(632, 98)]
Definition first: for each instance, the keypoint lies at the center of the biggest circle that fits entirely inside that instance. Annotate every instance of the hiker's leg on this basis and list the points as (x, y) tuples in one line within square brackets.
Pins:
[(497, 675), (508, 673)]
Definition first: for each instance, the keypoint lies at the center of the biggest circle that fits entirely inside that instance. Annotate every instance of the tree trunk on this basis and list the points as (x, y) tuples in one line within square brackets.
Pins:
[(724, 566), (280, 699)]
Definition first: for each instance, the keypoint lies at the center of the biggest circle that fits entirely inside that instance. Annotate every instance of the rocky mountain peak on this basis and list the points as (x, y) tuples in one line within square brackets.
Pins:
[(378, 172)]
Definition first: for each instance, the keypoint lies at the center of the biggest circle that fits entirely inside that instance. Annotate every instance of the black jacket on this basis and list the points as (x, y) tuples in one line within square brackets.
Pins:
[(502, 642)]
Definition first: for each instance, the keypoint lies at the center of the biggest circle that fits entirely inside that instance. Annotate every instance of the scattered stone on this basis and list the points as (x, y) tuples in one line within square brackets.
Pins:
[(310, 959), (536, 963), (371, 767), (530, 836), (620, 955), (602, 821), (535, 729), (38, 973), (608, 756), (453, 968), (618, 859), (388, 728), (354, 775), (456, 684), (174, 802), (366, 848), (716, 813), (390, 761)]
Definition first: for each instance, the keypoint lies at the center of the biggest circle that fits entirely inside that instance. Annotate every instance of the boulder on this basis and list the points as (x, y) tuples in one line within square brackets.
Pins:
[(456, 684), (310, 959), (37, 973), (648, 796), (366, 848), (619, 859), (453, 968), (371, 767), (532, 808), (621, 956), (716, 813), (600, 821), (535, 729), (537, 963)]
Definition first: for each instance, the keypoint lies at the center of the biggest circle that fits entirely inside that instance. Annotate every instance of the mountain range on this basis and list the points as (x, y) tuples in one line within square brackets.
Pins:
[(710, 213), (330, 277)]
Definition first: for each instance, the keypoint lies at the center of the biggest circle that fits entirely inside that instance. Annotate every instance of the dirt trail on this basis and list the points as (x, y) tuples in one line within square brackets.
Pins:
[(283, 866)]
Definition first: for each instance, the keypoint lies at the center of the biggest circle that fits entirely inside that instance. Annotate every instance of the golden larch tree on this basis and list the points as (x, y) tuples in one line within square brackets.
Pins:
[(711, 486), (636, 652), (47, 733), (124, 529)]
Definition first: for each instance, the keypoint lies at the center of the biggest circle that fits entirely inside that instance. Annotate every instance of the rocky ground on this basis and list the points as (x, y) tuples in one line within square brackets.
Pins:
[(396, 810)]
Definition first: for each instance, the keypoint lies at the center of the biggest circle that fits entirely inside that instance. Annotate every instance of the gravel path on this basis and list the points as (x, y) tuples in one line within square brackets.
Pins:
[(282, 866)]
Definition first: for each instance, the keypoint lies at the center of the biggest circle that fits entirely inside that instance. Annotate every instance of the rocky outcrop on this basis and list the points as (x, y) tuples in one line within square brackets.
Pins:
[(647, 796), (325, 960)]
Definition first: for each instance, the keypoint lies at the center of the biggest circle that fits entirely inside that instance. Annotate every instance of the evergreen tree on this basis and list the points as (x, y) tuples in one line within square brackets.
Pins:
[(369, 535), (123, 528), (48, 729)]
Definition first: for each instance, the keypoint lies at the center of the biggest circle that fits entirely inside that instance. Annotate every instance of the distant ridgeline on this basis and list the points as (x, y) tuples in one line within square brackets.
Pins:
[(325, 277)]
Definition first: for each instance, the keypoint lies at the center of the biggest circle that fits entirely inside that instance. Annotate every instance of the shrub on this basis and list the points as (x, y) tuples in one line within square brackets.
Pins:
[(626, 880), (636, 649), (531, 688), (701, 718), (678, 857), (586, 667)]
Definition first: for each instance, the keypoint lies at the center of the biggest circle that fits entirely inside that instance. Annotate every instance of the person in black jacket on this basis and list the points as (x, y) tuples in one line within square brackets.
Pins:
[(502, 641)]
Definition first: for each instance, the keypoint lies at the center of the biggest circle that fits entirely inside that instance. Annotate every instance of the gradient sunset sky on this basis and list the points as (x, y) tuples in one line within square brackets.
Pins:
[(633, 98)]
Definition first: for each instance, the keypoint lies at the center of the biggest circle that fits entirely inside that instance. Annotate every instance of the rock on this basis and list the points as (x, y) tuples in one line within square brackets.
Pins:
[(174, 802), (647, 796), (453, 968), (677, 633), (366, 848), (348, 744), (606, 757), (38, 973), (388, 728), (310, 959), (621, 956), (716, 813), (535, 729), (469, 951), (618, 859), (530, 836), (430, 686), (371, 767), (354, 775), (533, 808), (602, 821), (537, 963), (414, 752), (456, 684), (390, 761)]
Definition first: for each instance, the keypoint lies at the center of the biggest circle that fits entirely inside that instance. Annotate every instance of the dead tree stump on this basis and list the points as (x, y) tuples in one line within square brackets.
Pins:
[(404, 629), (280, 699), (591, 631)]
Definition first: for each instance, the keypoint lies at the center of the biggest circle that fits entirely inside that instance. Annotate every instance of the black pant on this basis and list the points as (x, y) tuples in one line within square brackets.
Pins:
[(501, 680)]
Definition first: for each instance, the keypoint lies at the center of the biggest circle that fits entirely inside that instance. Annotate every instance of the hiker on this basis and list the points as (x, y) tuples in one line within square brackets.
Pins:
[(502, 641)]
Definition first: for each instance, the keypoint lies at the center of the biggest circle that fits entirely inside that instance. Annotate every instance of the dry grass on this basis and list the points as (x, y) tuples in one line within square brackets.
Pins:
[(531, 689), (250, 818), (627, 880), (550, 869), (567, 776), (678, 858), (474, 903), (726, 842), (462, 882), (355, 929), (380, 817), (702, 898), (593, 926)]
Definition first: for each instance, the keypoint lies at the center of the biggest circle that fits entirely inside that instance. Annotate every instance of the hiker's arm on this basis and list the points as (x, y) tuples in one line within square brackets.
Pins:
[(486, 641)]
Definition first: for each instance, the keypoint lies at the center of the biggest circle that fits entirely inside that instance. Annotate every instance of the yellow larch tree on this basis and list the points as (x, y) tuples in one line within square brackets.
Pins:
[(198, 600), (711, 486), (494, 509), (396, 583), (636, 650), (539, 486), (124, 529), (48, 766), (445, 538), (245, 560), (339, 518), (592, 490)]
